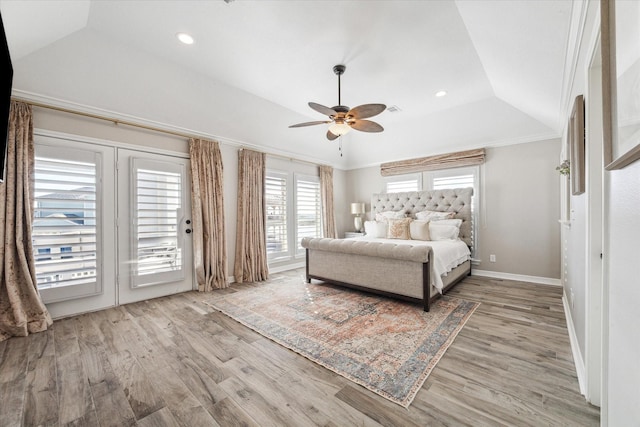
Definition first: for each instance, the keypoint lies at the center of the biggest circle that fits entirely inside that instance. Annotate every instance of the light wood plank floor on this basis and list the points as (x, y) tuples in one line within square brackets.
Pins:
[(174, 361)]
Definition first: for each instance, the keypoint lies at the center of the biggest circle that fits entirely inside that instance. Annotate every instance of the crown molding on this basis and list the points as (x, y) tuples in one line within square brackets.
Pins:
[(115, 117)]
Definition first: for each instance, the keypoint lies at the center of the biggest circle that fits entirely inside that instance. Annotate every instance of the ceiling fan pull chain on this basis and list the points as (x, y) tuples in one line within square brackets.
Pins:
[(340, 145)]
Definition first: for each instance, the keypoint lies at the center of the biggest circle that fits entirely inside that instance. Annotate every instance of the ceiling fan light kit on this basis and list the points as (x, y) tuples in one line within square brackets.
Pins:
[(343, 118)]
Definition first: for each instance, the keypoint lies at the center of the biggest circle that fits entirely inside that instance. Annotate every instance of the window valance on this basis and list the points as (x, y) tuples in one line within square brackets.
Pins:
[(440, 161)]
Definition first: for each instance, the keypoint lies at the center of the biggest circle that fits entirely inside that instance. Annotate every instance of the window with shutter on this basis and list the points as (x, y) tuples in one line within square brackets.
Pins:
[(276, 205), (64, 227), (403, 183), (158, 202), (293, 212), (308, 209), (457, 181)]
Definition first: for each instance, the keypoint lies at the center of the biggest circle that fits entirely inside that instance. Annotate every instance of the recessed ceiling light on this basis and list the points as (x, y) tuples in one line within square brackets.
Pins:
[(185, 38), (441, 93)]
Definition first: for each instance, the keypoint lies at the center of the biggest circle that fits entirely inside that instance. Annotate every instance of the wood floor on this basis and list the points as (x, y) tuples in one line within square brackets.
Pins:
[(174, 361)]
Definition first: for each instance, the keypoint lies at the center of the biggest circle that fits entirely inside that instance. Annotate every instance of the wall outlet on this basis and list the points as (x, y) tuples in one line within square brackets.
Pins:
[(492, 258)]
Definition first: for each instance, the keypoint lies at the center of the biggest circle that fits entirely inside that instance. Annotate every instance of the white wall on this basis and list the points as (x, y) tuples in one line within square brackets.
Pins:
[(623, 343), (521, 210), (620, 295), (519, 219)]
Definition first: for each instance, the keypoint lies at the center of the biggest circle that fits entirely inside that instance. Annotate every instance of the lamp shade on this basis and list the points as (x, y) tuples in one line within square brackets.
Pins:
[(357, 208)]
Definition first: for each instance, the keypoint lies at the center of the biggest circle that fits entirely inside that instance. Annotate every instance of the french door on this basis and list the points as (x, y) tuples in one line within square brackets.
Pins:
[(111, 225), (154, 226)]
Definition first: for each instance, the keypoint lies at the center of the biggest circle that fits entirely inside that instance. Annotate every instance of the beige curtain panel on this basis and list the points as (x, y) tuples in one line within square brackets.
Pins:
[(21, 309), (207, 207), (441, 161), (251, 241), (326, 199)]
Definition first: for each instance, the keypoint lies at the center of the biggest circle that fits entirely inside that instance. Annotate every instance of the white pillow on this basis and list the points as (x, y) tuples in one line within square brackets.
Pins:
[(443, 232), (419, 230), (384, 216), (434, 216), (375, 229), (457, 222)]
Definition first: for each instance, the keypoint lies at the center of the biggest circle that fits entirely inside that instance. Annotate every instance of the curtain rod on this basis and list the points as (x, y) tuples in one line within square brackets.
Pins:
[(105, 118), (138, 125)]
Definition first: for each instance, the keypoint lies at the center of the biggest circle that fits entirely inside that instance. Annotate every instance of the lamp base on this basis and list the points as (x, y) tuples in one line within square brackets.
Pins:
[(357, 222)]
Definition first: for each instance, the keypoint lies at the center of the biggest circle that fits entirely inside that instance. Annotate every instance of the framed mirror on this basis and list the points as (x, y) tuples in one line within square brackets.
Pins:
[(620, 38), (577, 146)]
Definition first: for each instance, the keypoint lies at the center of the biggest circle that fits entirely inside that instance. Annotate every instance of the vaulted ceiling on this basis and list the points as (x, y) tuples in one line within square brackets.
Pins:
[(255, 65)]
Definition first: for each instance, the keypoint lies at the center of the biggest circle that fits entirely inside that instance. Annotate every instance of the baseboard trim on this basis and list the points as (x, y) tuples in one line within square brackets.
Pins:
[(578, 361), (519, 277), (277, 269), (281, 268)]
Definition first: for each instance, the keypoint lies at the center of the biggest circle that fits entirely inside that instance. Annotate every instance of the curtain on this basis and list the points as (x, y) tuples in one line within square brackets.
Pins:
[(251, 241), (441, 161), (207, 207), (326, 196), (21, 310)]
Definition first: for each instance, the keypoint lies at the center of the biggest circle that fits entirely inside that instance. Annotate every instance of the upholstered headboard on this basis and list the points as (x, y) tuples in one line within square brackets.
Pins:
[(456, 200)]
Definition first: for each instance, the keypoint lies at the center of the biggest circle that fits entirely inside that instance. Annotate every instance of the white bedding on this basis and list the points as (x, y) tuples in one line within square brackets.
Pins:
[(447, 254)]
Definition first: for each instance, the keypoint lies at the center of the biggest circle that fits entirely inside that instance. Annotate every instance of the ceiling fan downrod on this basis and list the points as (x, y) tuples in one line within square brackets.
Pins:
[(339, 70)]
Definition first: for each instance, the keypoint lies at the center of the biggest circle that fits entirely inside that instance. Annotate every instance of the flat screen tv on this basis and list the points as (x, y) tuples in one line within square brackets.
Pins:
[(5, 98)]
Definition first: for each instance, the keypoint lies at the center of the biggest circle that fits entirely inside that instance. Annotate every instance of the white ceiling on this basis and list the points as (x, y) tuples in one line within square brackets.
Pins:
[(256, 64)]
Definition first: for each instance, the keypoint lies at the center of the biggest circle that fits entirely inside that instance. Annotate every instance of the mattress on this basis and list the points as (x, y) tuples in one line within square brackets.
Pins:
[(447, 254)]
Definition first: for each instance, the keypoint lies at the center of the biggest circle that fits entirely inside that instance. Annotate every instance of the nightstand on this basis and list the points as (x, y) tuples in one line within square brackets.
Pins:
[(349, 234)]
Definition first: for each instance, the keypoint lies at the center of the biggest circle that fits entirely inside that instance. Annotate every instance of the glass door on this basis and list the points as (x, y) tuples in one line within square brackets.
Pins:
[(73, 210), (154, 226)]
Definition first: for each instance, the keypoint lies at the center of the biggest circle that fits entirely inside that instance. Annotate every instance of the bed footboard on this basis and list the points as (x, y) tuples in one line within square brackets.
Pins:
[(394, 270)]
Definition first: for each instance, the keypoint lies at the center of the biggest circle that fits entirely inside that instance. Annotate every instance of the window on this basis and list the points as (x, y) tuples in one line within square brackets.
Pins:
[(460, 178), (64, 226), (308, 210), (276, 203), (456, 181), (293, 212), (403, 183), (158, 200)]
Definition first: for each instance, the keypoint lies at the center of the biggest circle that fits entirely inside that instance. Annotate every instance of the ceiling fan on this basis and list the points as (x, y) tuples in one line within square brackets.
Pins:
[(343, 118)]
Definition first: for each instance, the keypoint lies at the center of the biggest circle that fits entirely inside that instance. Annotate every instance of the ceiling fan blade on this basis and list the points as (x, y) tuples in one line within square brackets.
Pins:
[(322, 109), (366, 110), (299, 125), (366, 126), (331, 136)]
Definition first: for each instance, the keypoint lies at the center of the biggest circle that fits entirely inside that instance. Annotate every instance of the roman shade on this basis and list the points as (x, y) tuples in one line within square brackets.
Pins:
[(440, 161)]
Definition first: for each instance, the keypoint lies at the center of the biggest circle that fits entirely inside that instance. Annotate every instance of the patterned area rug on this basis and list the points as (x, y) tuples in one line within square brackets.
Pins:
[(387, 346)]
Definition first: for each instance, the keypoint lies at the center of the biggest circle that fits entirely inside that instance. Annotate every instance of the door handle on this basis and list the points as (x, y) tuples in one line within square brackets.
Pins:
[(188, 230)]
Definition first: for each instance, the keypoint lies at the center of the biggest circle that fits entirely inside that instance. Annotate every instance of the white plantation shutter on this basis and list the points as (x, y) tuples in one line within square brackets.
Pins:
[(308, 209), (403, 183), (276, 205), (402, 186), (456, 181), (158, 208), (64, 227)]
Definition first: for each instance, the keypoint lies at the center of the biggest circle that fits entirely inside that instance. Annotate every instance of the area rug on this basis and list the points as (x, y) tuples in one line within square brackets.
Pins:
[(388, 346)]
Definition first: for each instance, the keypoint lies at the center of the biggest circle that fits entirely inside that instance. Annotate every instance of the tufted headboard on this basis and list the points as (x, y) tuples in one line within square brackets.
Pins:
[(456, 200)]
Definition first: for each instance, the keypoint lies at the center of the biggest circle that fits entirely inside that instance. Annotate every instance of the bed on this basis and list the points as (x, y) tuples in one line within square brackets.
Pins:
[(414, 270)]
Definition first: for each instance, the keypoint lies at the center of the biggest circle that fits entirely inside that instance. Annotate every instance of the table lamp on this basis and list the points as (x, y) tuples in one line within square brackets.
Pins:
[(357, 209)]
